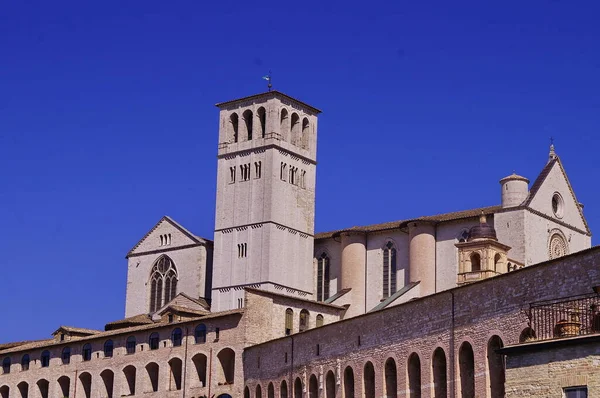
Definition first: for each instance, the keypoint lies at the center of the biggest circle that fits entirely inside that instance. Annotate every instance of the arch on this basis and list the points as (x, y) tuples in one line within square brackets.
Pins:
[(247, 116), (348, 382), (497, 262), (283, 389), (6, 365), (200, 334), (323, 270), (176, 337), (305, 133), (258, 391), (283, 124), (86, 352), (496, 367), (85, 380), (389, 270), (330, 385), (319, 321), (108, 381), (200, 361), (45, 359), (130, 344), (153, 341), (25, 362), (313, 387), (175, 371), (163, 273), (262, 119), (304, 318), (64, 385), (289, 321), (475, 262), (271, 391), (43, 387), (527, 334), (226, 371), (4, 391), (466, 365), (391, 378), (23, 388), (108, 348), (297, 388), (234, 121), (65, 356), (130, 373), (369, 380), (439, 370), (246, 392), (295, 129), (414, 375), (152, 371)]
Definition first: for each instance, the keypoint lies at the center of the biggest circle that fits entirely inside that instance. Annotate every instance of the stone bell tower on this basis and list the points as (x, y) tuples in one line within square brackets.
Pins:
[(264, 222)]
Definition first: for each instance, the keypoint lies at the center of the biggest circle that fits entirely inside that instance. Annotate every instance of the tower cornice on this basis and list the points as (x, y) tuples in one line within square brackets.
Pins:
[(266, 96)]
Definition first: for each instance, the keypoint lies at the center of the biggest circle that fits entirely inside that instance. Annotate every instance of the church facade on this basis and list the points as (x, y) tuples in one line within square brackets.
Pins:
[(417, 307)]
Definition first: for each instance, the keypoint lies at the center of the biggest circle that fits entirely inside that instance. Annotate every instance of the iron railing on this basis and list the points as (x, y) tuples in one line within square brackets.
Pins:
[(575, 316)]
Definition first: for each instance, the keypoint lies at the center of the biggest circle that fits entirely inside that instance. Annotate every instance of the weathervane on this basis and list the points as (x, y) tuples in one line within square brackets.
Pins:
[(268, 79), (551, 140)]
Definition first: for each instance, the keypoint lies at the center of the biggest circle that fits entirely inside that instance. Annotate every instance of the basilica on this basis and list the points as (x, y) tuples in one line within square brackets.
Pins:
[(444, 305)]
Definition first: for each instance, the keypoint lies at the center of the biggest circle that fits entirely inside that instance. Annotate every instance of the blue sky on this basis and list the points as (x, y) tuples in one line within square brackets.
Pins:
[(107, 121)]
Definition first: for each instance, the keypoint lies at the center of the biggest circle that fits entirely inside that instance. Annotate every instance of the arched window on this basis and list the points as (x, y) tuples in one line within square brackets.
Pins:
[(283, 124), (130, 373), (176, 371), (108, 379), (298, 388), (414, 375), (246, 392), (295, 129), (496, 368), (233, 119), (271, 391), (226, 370), (258, 391), (330, 385), (130, 345), (247, 115), (86, 353), (108, 349), (176, 337), (200, 362), (45, 359), (389, 270), (319, 322), (303, 325), (440, 380), (348, 383), (369, 380), (466, 364), (23, 388), (497, 259), (200, 334), (66, 355), (25, 362), (153, 341), (283, 390), (289, 321), (4, 391), (152, 369), (6, 365), (262, 117), (305, 133), (313, 387), (323, 277), (475, 262), (164, 274), (391, 378), (64, 384), (43, 387)]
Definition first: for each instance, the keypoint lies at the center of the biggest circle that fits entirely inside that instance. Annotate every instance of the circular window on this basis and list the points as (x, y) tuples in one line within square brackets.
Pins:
[(557, 205), (558, 246)]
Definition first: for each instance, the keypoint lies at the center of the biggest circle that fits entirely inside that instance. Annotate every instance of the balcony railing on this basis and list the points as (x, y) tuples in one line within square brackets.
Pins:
[(575, 316)]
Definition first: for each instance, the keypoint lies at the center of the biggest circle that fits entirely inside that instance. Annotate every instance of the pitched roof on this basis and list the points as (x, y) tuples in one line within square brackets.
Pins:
[(456, 215), (70, 329), (141, 319), (394, 296), (186, 310), (271, 94), (168, 219), (268, 293)]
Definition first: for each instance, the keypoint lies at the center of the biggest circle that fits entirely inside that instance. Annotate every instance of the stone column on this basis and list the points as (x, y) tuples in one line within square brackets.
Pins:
[(354, 254), (421, 236)]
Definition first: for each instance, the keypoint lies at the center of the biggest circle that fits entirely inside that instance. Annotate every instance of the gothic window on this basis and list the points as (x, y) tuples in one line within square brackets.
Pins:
[(200, 334), (242, 250), (257, 169), (497, 259), (164, 274), (6, 365), (289, 321), (283, 172), (247, 115), (323, 278), (303, 179), (305, 130), (262, 117), (108, 349), (283, 122), (130, 345), (45, 359), (154, 340), (25, 362), (295, 129), (66, 356), (86, 353), (176, 337), (303, 325), (234, 126), (557, 247), (475, 262), (319, 320), (389, 270), (232, 175)]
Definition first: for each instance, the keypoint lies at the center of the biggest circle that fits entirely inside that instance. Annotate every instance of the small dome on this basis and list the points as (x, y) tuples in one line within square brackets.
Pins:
[(482, 231), (514, 177)]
